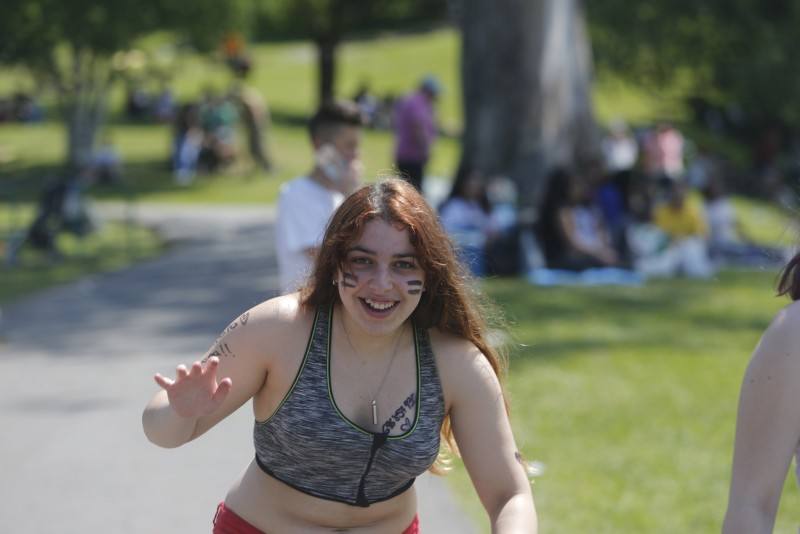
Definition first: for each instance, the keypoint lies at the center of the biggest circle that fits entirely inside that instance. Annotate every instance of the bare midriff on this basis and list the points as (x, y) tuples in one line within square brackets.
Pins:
[(274, 507)]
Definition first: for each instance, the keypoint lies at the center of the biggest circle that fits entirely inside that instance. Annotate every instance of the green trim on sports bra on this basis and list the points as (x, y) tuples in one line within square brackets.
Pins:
[(299, 371), (333, 400)]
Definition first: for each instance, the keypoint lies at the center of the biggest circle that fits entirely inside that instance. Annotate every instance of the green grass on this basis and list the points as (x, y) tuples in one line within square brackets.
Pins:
[(112, 247), (285, 73), (37, 149), (628, 396)]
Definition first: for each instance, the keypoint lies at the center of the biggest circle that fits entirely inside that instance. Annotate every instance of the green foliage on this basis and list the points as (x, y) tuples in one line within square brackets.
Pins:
[(317, 19), (30, 30), (739, 52)]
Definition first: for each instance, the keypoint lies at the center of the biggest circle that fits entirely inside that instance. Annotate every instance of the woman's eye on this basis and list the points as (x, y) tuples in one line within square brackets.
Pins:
[(360, 260), (405, 265)]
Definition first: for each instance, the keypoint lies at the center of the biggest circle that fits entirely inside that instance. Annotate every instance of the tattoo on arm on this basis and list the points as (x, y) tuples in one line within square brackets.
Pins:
[(221, 350), (414, 287), (349, 280), (400, 416)]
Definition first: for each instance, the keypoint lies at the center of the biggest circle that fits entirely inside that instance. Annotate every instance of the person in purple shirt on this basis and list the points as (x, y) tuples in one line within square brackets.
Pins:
[(415, 130)]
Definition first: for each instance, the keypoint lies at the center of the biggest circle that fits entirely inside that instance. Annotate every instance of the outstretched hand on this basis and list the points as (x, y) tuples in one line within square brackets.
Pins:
[(195, 392)]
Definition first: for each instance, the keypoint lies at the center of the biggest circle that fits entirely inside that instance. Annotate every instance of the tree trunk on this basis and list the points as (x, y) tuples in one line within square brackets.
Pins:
[(326, 57), (526, 78), (83, 95), (83, 123)]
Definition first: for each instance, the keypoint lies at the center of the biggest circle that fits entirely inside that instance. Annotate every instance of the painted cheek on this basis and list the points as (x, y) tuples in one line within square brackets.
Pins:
[(414, 286), (349, 280)]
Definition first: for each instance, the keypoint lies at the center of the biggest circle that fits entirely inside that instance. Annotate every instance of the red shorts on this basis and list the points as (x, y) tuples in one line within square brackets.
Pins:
[(227, 522)]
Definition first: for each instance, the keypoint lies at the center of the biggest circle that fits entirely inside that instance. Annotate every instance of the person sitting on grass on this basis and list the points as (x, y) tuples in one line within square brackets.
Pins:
[(572, 231), (729, 243), (685, 233), (465, 216)]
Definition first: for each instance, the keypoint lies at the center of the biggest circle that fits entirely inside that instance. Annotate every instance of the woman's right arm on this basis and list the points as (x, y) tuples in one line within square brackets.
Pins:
[(767, 428), (233, 370)]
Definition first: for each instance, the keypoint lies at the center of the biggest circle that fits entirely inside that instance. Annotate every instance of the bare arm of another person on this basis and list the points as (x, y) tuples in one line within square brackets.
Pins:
[(484, 438), (233, 370), (767, 428)]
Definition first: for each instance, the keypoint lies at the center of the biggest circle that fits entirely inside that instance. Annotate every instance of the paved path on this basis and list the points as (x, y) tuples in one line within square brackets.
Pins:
[(76, 363)]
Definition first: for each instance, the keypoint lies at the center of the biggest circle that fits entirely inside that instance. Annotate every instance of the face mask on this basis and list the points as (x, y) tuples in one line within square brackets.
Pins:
[(330, 162)]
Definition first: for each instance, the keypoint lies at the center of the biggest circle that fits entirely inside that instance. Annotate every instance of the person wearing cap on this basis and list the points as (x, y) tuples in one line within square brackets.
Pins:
[(415, 130)]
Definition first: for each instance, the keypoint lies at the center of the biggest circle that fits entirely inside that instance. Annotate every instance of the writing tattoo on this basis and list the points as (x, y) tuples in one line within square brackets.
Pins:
[(400, 416), (235, 324), (349, 280), (415, 287), (222, 349)]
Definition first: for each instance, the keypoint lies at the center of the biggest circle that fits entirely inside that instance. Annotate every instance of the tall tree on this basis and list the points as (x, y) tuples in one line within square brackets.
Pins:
[(69, 44), (526, 74), (736, 52), (328, 22)]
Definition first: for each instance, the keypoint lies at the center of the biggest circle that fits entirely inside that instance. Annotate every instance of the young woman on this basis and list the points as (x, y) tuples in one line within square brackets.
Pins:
[(353, 380), (573, 234), (466, 217), (768, 424)]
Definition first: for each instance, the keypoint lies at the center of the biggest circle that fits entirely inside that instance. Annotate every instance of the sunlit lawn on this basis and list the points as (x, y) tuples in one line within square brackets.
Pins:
[(38, 149), (628, 396)]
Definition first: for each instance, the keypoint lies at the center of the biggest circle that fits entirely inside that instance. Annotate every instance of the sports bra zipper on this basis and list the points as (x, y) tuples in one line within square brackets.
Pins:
[(378, 440)]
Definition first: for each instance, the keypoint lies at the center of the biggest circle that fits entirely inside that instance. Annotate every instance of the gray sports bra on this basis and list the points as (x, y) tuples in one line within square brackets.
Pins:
[(308, 444)]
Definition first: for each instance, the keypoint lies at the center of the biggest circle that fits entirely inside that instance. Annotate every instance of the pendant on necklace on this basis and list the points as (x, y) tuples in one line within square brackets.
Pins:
[(374, 412)]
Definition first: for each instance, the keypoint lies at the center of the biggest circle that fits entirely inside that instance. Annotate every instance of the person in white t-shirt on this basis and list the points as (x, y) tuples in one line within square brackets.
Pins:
[(306, 203), (729, 244)]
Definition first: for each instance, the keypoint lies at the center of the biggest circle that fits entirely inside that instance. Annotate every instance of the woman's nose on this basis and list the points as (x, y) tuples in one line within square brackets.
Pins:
[(382, 281)]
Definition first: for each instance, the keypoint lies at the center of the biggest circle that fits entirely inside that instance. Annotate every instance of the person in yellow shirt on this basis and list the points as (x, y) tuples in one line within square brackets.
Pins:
[(686, 231), (680, 217)]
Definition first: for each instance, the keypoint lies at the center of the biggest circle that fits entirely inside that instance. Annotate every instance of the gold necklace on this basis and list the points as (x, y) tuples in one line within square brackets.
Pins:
[(374, 401)]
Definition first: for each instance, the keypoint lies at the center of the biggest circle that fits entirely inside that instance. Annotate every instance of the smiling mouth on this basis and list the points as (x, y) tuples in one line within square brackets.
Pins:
[(378, 307)]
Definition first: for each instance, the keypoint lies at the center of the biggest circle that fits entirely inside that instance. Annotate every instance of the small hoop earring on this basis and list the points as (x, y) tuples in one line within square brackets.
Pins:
[(333, 282)]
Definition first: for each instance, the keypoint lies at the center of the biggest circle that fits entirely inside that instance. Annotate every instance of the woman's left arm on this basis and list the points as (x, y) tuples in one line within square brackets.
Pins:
[(484, 438)]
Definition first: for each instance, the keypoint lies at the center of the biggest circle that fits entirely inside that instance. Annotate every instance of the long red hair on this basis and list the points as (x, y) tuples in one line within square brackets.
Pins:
[(450, 301)]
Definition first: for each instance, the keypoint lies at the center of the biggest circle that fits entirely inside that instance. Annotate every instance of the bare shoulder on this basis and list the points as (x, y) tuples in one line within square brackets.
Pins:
[(788, 317), (784, 330), (779, 347), (462, 366), (270, 325), (452, 350)]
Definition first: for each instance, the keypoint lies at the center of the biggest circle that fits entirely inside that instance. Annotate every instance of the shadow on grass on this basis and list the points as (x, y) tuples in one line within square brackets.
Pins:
[(140, 178), (659, 318)]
